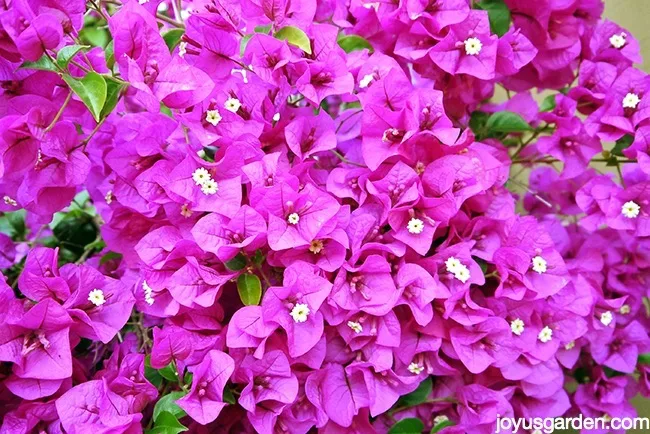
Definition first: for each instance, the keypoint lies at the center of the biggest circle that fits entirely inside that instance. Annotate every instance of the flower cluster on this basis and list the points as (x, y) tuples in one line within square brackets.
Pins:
[(280, 216)]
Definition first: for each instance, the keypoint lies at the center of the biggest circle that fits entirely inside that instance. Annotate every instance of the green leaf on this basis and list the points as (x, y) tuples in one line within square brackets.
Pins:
[(622, 144), (498, 14), (228, 396), (108, 257), (296, 37), (477, 122), (167, 423), (109, 55), (439, 426), (13, 224), (65, 54), (506, 122), (418, 396), (113, 90), (173, 37), (237, 263), (168, 404), (169, 372), (258, 258), (75, 231), (150, 373), (352, 43), (42, 64), (409, 425), (95, 35), (250, 289), (644, 359), (91, 90), (548, 104)]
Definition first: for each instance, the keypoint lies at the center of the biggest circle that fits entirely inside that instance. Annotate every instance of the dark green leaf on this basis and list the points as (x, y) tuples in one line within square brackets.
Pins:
[(237, 263), (258, 258), (168, 403), (477, 122), (418, 396), (13, 224), (91, 89), (440, 425), (296, 37), (42, 64), (150, 373), (409, 425), (352, 43), (622, 144), (548, 104), (109, 257), (167, 423), (644, 359), (65, 54), (250, 289), (228, 396), (109, 55), (169, 372), (188, 377), (173, 37), (113, 90), (498, 14), (506, 122), (75, 231)]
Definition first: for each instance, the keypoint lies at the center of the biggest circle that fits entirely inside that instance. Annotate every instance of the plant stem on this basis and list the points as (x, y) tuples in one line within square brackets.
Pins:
[(59, 113)]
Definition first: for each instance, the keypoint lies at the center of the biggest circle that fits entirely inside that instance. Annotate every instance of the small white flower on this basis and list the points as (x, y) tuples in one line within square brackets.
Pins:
[(109, 197), (355, 326), (9, 201), (300, 312), (210, 187), (148, 292), (606, 318), (462, 274), (630, 210), (570, 345), (201, 176), (276, 117), (631, 100), (452, 264), (517, 326), (618, 41), (185, 14), (162, 7), (473, 46), (366, 80), (625, 309), (440, 419), (545, 335), (232, 104), (182, 47), (415, 368), (539, 264), (293, 218), (213, 117), (415, 226), (96, 297)]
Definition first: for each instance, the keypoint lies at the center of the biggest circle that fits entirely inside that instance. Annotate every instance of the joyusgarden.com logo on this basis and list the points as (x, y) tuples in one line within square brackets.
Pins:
[(547, 425)]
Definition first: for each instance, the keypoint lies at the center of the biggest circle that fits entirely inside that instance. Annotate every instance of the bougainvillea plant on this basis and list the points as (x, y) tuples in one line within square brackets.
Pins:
[(337, 216)]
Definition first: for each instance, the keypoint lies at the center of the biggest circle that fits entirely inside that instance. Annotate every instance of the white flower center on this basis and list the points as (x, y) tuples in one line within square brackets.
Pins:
[(625, 309), (232, 104), (618, 41), (452, 264), (570, 345), (630, 209), (293, 218), (539, 264), (182, 47), (473, 46), (213, 117), (631, 100), (210, 187), (545, 335), (96, 297), (366, 80), (415, 368), (606, 318), (355, 326), (300, 312), (148, 292), (201, 176), (9, 201), (517, 326), (415, 226)]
